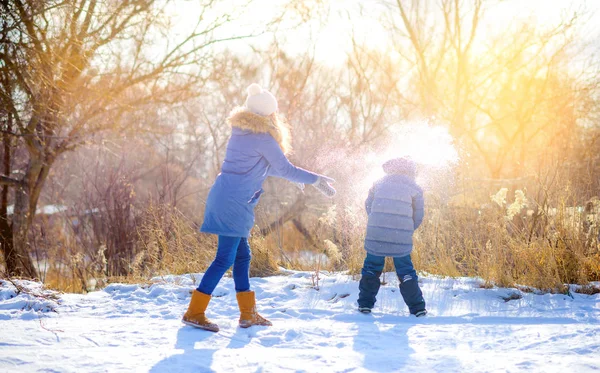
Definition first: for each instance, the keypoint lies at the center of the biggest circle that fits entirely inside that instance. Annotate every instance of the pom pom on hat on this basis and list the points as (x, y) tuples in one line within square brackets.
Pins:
[(254, 89), (260, 101)]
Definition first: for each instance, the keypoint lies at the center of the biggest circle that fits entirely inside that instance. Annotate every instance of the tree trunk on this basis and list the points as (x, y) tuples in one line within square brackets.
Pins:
[(288, 215), (26, 198), (6, 241), (17, 259), (6, 238), (23, 265), (305, 232)]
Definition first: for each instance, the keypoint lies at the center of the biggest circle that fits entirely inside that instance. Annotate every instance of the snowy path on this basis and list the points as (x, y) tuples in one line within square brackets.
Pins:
[(129, 328)]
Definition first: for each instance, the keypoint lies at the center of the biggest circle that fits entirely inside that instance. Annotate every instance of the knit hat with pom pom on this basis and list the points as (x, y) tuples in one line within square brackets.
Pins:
[(260, 101)]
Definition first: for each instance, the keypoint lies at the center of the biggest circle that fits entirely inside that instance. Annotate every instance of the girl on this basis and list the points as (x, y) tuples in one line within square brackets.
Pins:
[(256, 149)]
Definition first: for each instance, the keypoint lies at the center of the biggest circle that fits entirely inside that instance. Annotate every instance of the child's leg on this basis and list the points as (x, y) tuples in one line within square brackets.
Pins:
[(226, 252), (369, 282), (241, 267), (409, 285)]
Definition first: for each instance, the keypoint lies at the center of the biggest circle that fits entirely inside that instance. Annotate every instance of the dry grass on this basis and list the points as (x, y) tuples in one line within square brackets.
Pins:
[(264, 262), (168, 243), (541, 245)]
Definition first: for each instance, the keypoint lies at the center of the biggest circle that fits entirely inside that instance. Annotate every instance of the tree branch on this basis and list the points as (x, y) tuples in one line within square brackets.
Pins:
[(5, 180)]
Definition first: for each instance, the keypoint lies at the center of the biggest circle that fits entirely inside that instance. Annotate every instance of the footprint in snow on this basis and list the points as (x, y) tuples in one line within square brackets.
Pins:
[(291, 335), (270, 341)]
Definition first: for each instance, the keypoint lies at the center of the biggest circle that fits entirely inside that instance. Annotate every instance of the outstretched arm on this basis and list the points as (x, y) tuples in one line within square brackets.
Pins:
[(281, 166)]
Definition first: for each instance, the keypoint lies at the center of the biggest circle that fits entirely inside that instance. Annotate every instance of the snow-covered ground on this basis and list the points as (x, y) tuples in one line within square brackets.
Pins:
[(137, 328)]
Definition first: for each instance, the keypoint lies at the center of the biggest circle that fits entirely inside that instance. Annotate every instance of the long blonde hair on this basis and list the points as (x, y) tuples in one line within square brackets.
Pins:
[(283, 128)]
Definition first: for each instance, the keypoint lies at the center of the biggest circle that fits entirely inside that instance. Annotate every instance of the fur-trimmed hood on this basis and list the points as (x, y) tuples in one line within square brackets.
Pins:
[(274, 125)]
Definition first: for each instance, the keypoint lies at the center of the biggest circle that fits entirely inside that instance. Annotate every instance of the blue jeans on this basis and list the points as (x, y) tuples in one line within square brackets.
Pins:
[(231, 251), (409, 285)]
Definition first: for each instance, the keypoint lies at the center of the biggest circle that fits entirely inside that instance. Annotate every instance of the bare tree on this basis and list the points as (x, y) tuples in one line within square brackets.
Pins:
[(70, 69), (507, 95)]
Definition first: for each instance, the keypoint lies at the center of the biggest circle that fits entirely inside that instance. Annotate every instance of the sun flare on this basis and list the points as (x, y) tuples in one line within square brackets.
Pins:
[(427, 144)]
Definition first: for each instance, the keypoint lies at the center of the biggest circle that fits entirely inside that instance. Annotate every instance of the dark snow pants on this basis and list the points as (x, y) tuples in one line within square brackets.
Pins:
[(409, 285)]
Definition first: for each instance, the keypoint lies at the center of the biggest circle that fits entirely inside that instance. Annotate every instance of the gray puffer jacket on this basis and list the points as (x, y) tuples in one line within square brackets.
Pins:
[(396, 208)]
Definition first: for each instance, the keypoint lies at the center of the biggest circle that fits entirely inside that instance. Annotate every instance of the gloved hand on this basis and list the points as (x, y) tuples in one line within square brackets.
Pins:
[(322, 185)]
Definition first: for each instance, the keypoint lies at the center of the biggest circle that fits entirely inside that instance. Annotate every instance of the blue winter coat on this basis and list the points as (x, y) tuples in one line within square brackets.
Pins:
[(252, 154), (396, 208)]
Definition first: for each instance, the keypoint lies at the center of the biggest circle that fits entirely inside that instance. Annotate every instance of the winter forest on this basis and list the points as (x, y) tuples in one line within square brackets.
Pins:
[(115, 122)]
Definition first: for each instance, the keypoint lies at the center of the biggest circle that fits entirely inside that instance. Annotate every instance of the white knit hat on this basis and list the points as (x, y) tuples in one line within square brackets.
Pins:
[(260, 101)]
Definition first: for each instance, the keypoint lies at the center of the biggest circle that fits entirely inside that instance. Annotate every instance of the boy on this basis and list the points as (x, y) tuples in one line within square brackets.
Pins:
[(395, 207)]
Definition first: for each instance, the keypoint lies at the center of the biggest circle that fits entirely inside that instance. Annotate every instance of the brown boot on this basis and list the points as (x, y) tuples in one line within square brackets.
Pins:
[(194, 315), (248, 314)]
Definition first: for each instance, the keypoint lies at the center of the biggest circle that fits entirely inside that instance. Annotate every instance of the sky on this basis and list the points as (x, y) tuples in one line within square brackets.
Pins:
[(331, 34)]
